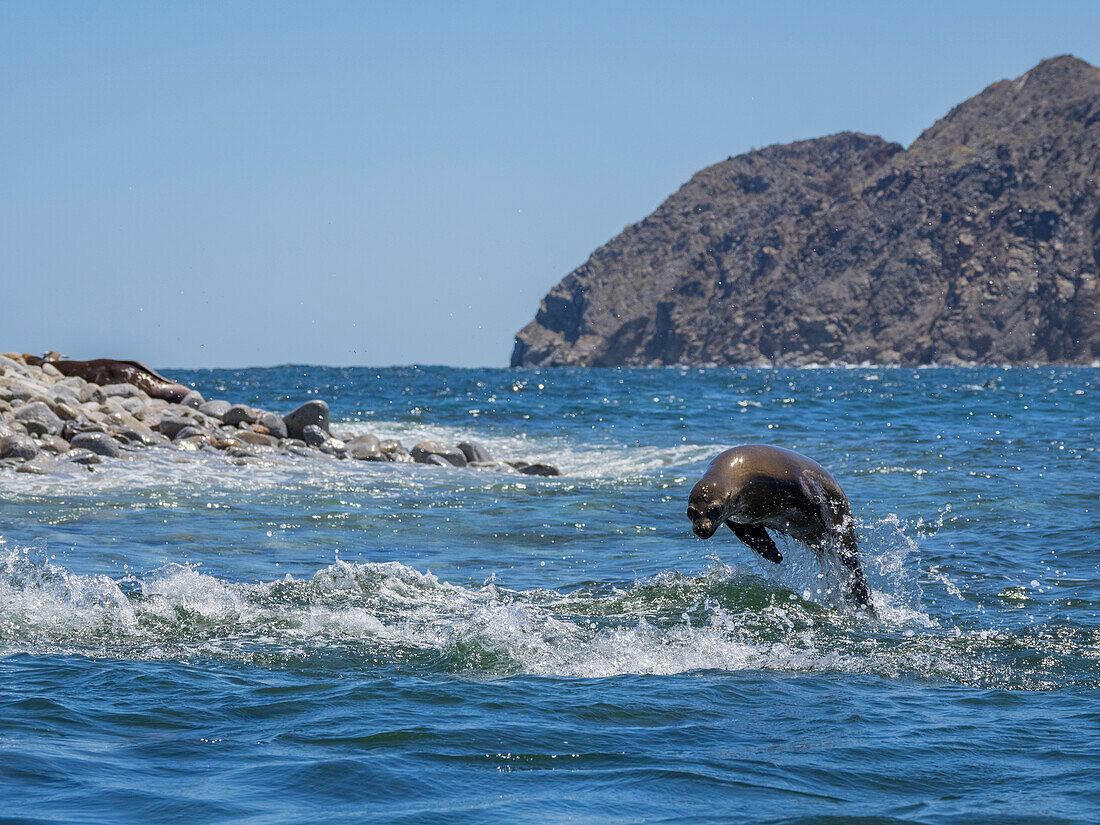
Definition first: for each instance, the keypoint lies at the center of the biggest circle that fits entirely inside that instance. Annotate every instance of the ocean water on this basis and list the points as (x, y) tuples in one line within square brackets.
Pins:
[(185, 639)]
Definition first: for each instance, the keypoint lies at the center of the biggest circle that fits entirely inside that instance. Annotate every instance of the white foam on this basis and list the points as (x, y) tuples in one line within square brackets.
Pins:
[(729, 618)]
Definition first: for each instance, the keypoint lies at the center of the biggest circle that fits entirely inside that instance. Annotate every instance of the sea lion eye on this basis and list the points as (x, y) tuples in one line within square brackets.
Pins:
[(714, 511), (693, 513)]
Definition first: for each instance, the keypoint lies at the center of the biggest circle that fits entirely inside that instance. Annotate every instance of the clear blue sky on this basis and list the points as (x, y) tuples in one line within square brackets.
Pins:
[(235, 184)]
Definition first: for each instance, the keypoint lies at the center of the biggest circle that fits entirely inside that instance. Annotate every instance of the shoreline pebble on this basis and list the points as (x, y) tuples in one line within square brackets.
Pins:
[(49, 422)]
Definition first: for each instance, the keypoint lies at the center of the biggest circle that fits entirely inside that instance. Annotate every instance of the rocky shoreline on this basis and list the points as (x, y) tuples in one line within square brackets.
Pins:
[(51, 422)]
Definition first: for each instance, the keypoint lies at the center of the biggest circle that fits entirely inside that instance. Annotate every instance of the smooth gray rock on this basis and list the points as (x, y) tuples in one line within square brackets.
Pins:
[(98, 443), (273, 423), (14, 366), (215, 409), (334, 447), (365, 438), (122, 391), (422, 451), (41, 465), (55, 444), (39, 419), (499, 466), (311, 412), (194, 400), (475, 451), (65, 394), (73, 381), (18, 446), (437, 460), (25, 392), (80, 425), (190, 431), (85, 457), (133, 405), (92, 392), (361, 452), (137, 434), (364, 452), (170, 426), (394, 450), (538, 469), (366, 447), (256, 439), (313, 435), (239, 414), (66, 412)]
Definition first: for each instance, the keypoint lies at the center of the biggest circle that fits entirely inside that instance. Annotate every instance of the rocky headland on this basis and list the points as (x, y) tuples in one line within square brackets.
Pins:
[(979, 243), (53, 422)]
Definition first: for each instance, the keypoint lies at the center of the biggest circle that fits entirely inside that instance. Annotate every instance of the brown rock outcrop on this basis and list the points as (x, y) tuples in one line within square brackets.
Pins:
[(978, 243)]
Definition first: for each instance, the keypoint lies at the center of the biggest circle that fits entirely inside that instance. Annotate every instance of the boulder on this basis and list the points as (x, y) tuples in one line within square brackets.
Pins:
[(239, 414), (215, 409), (18, 446), (496, 464), (249, 437), (92, 392), (475, 452), (394, 450), (538, 469), (171, 425), (133, 405), (25, 392), (311, 412), (452, 455), (313, 435), (74, 381), (39, 419), (194, 400), (364, 451), (55, 444), (273, 423), (98, 443), (190, 431), (365, 447), (334, 447), (41, 465), (66, 412), (137, 434), (13, 365), (85, 457), (123, 391), (63, 393)]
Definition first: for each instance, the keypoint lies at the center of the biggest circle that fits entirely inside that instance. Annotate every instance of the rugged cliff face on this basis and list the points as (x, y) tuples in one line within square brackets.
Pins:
[(978, 243)]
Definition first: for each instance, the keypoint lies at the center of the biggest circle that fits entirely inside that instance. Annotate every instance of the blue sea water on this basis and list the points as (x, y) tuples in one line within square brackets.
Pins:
[(187, 639)]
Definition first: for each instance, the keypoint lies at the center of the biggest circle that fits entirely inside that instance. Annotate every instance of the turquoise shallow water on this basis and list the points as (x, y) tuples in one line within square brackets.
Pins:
[(187, 640)]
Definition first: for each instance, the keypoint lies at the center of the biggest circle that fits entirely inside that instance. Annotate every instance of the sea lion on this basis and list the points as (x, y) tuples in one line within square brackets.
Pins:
[(105, 371), (755, 486)]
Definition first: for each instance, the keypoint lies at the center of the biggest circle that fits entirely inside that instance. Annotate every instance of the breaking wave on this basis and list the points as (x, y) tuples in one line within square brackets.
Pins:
[(728, 618)]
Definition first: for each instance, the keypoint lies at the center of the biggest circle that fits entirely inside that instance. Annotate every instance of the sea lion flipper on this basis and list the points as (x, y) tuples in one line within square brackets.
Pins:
[(757, 538), (818, 498)]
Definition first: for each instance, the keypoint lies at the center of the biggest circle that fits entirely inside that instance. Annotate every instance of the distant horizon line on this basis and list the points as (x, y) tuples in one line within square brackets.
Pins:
[(838, 365)]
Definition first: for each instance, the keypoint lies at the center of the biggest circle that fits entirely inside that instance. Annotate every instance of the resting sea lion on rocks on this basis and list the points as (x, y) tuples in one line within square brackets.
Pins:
[(104, 371), (754, 487)]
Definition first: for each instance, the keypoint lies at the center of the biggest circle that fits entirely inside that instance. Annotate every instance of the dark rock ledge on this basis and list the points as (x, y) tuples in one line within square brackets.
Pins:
[(50, 421)]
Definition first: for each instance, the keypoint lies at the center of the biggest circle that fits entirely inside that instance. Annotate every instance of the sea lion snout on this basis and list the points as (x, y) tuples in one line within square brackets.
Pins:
[(705, 515), (704, 528)]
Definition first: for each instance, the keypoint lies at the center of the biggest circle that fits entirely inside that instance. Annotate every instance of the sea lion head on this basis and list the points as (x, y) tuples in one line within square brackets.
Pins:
[(707, 509)]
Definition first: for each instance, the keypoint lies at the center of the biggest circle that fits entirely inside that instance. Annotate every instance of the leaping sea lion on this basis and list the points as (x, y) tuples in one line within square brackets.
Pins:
[(754, 487), (105, 371)]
